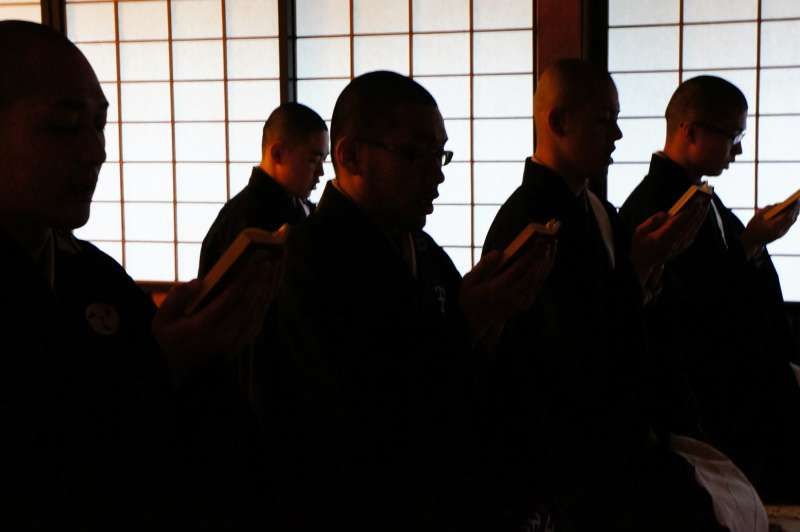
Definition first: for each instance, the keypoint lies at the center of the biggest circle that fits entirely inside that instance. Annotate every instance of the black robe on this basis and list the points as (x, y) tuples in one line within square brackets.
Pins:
[(371, 388), (95, 435), (222, 423), (263, 203), (719, 320), (577, 425), (88, 425)]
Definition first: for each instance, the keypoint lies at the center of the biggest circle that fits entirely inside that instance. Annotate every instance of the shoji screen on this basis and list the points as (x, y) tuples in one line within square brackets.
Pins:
[(20, 10), (190, 83), (654, 44), (475, 56)]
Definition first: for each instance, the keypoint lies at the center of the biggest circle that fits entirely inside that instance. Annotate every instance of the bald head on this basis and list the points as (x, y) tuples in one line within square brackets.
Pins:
[(33, 57), (567, 84), (291, 122), (388, 140), (52, 117), (294, 145), (369, 104), (707, 99), (575, 114), (706, 119)]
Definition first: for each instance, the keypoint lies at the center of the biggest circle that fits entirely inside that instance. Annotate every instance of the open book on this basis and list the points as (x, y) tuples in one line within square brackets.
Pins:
[(235, 256), (784, 205), (527, 236), (703, 191)]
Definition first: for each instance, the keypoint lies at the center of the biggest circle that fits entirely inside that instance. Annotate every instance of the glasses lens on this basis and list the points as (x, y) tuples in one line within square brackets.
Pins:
[(447, 156), (735, 138)]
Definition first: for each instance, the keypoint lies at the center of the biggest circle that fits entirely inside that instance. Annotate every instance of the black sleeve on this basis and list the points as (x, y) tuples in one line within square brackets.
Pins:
[(211, 250)]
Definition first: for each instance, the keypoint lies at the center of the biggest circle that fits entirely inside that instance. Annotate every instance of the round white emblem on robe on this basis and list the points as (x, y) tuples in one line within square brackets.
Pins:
[(102, 318)]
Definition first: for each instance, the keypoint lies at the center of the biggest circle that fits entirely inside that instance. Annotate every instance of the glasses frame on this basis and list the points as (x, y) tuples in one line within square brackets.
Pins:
[(734, 138), (444, 157)]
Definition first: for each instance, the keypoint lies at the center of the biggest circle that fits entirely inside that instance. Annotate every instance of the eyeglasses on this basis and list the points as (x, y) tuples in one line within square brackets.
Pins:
[(735, 137), (414, 155)]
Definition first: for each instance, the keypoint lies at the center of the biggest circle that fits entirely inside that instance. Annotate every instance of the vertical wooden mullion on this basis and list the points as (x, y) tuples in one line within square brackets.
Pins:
[(471, 135), (287, 49), (594, 48), (594, 37), (570, 29), (680, 42), (172, 132), (757, 105), (534, 30), (223, 6), (559, 32), (352, 41), (54, 14), (411, 38), (121, 158)]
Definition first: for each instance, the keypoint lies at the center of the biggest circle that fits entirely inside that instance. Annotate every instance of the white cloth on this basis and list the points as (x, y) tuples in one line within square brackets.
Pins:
[(600, 214), (736, 503), (796, 371), (604, 223), (721, 228), (717, 217)]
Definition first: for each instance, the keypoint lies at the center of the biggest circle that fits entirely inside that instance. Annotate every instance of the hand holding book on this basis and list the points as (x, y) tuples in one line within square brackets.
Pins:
[(695, 194), (223, 312), (686, 220), (534, 236), (506, 282), (770, 224), (667, 234), (791, 203), (250, 241)]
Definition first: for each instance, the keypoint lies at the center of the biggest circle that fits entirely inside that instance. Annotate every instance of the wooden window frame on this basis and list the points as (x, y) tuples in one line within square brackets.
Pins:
[(562, 28)]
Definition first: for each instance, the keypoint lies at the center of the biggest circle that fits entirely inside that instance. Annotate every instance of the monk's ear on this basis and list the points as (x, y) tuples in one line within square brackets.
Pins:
[(557, 121), (277, 152), (347, 155)]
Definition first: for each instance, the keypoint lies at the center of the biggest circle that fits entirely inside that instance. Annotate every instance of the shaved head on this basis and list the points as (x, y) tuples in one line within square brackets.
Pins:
[(704, 99), (291, 122), (371, 101), (52, 117), (575, 114), (294, 144), (388, 137), (567, 84), (706, 118), (31, 57)]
